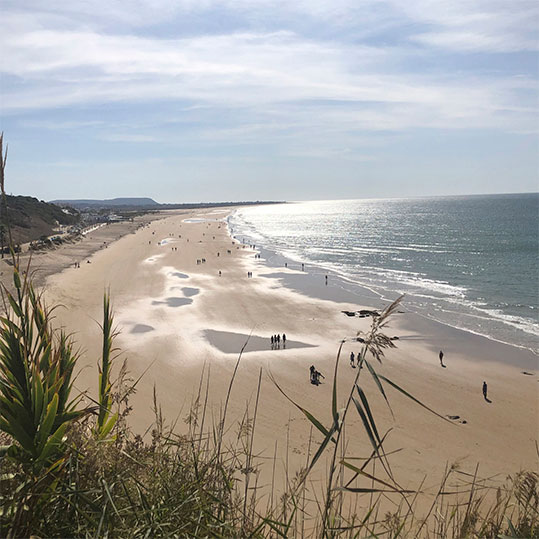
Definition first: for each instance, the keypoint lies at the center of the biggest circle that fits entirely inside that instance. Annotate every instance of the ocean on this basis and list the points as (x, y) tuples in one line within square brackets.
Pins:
[(470, 261)]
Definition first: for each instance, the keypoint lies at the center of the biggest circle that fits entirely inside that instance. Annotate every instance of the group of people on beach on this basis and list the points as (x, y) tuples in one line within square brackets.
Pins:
[(276, 341), (357, 359)]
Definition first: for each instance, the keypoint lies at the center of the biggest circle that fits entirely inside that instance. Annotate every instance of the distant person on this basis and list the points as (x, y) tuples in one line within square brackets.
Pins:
[(485, 390), (219, 273), (352, 358), (441, 356), (315, 376), (278, 339), (302, 267), (326, 280), (286, 264), (271, 341), (284, 340)]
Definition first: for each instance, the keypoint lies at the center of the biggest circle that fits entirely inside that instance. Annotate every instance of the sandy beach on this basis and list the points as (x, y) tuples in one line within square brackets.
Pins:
[(183, 305)]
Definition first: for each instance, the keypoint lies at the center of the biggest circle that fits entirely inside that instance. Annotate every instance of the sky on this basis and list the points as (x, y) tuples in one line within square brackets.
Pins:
[(206, 100)]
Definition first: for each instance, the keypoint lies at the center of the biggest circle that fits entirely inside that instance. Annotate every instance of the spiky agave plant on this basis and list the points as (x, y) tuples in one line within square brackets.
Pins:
[(36, 408), (36, 369)]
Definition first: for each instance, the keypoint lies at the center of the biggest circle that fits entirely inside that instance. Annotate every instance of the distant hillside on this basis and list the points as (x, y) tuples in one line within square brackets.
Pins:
[(31, 218), (131, 202)]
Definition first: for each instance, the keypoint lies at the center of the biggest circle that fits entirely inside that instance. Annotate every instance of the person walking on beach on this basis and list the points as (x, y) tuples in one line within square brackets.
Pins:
[(315, 376), (278, 340), (485, 389), (271, 342), (352, 357), (284, 340), (441, 356), (326, 280)]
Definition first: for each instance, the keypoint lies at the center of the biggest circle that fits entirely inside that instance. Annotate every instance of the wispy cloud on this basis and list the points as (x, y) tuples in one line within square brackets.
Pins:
[(63, 68), (125, 137), (304, 78)]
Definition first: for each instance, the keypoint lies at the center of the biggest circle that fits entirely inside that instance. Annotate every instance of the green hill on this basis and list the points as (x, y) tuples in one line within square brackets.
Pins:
[(31, 218)]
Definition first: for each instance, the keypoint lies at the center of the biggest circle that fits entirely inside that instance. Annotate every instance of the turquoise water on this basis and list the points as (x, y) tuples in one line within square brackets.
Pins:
[(470, 262)]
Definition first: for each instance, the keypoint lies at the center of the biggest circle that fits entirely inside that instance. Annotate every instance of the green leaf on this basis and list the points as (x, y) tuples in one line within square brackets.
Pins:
[(305, 412), (365, 423), (369, 414), (14, 306), (404, 392), (53, 443), (334, 390), (322, 446), (38, 399), (48, 422), (376, 379), (373, 478), (11, 426), (16, 279), (108, 427)]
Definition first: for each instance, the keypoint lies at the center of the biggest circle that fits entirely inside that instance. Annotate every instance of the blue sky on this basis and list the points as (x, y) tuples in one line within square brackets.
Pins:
[(203, 100)]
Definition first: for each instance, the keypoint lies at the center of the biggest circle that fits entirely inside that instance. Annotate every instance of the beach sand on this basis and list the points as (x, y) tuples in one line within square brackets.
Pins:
[(177, 316)]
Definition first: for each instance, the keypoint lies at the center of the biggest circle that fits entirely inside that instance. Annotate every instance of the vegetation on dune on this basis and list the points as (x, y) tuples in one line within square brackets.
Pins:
[(30, 218), (71, 467)]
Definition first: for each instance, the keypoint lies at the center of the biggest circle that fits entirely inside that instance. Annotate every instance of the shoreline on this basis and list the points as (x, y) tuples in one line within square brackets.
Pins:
[(303, 283), (360, 291), (164, 302)]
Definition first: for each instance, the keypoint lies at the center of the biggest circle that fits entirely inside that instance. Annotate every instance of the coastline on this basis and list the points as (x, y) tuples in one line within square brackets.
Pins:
[(146, 282), (350, 288)]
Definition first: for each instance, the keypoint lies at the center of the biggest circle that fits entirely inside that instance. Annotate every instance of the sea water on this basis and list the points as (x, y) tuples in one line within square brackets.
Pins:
[(469, 261)]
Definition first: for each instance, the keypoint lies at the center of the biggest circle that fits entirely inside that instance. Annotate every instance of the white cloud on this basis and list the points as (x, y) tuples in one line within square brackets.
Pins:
[(127, 137), (287, 69), (62, 68)]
